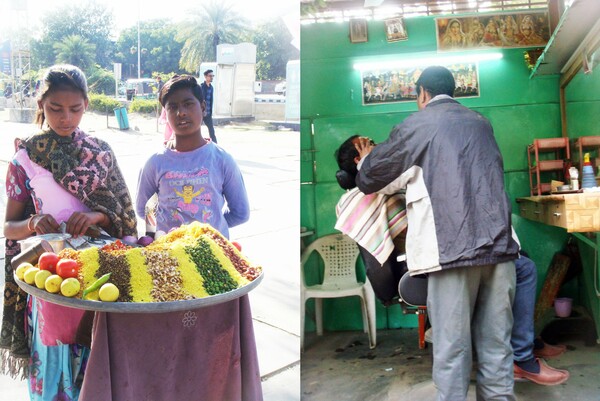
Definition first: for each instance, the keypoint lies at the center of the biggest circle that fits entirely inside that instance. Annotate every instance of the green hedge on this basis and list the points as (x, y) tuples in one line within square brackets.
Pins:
[(102, 103), (147, 106)]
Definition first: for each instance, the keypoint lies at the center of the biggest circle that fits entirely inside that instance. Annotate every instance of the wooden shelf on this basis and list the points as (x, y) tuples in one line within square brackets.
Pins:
[(575, 24), (550, 165), (576, 212), (538, 164), (584, 143)]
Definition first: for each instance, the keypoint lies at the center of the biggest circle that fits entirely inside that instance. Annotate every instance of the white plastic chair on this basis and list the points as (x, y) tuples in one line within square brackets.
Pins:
[(339, 254)]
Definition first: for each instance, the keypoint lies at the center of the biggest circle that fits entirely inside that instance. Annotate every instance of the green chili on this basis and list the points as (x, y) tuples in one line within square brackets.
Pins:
[(96, 284)]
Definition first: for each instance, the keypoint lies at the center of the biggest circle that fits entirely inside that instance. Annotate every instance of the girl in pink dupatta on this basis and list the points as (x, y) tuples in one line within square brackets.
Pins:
[(72, 178)]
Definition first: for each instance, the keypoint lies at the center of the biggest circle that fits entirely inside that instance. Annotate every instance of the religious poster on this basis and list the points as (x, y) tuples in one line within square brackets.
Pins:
[(398, 84), (395, 30), (358, 30), (486, 31)]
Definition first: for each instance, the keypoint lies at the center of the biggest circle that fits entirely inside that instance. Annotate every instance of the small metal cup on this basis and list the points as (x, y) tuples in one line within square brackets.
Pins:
[(32, 254)]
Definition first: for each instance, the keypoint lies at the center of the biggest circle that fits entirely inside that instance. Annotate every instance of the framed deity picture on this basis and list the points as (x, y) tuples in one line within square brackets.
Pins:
[(391, 85), (358, 30), (395, 30), (505, 30)]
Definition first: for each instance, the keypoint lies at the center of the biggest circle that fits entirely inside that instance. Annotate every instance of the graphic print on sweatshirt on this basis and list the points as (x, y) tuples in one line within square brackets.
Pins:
[(193, 194)]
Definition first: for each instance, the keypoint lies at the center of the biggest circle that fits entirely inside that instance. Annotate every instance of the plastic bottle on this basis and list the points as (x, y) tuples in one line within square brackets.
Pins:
[(588, 179), (574, 176)]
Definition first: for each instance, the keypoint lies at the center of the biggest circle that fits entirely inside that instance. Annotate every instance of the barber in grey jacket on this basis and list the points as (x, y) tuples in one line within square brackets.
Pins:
[(459, 233)]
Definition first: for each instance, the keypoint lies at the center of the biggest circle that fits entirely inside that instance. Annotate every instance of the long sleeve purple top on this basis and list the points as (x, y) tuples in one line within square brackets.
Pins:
[(202, 185)]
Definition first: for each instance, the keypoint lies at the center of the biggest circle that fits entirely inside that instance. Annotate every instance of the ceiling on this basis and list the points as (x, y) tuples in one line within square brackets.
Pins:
[(345, 9)]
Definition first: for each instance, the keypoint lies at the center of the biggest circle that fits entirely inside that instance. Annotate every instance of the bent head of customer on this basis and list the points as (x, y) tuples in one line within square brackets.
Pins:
[(347, 157)]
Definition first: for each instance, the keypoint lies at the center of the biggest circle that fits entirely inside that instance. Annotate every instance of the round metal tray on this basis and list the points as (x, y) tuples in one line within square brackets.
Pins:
[(138, 307)]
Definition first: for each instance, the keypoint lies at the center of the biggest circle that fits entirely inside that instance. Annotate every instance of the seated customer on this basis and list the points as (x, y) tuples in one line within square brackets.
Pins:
[(376, 222), (528, 353)]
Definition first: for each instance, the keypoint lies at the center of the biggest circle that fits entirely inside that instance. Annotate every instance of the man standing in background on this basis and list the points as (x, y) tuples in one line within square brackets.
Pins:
[(207, 88), (159, 84)]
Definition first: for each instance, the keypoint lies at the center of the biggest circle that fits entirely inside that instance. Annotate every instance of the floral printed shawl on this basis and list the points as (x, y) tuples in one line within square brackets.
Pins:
[(87, 168)]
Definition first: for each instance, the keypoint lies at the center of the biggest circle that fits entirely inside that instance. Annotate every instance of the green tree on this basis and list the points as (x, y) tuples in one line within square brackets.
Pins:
[(213, 24), (101, 80), (75, 50), (90, 20), (160, 50), (273, 49)]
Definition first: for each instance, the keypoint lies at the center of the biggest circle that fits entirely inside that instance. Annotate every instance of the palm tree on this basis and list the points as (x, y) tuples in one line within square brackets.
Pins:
[(75, 50), (213, 24)]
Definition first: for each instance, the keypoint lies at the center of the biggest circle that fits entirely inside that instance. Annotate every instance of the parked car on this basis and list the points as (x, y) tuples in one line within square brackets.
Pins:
[(122, 88), (280, 88), (144, 88)]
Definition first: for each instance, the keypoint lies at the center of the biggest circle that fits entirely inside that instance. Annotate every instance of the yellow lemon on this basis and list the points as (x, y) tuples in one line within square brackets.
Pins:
[(29, 275), (108, 292), (40, 278), (20, 271), (70, 287), (53, 283)]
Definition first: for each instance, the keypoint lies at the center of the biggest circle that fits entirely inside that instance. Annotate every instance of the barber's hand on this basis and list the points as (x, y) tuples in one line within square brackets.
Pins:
[(43, 224), (364, 146), (79, 222)]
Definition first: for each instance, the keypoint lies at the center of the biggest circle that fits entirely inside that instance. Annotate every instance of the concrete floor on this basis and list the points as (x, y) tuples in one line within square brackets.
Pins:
[(340, 366), (269, 161)]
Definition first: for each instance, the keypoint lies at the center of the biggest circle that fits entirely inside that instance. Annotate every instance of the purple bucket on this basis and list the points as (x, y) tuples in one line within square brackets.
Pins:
[(562, 306)]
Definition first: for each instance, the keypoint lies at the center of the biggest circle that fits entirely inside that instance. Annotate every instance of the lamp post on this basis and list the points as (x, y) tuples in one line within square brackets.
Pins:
[(138, 46)]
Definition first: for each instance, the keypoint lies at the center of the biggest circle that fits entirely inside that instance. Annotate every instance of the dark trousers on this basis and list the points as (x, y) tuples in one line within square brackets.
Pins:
[(211, 129), (384, 278)]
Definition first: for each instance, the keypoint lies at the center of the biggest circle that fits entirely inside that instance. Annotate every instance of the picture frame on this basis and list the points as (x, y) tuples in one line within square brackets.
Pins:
[(395, 30), (393, 85), (358, 31), (503, 30)]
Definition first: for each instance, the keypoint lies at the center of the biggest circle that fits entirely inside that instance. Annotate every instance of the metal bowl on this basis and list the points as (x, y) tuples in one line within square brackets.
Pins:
[(56, 240)]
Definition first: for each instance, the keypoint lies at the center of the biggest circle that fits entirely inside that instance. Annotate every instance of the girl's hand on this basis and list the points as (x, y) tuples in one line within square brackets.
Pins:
[(79, 222), (43, 224)]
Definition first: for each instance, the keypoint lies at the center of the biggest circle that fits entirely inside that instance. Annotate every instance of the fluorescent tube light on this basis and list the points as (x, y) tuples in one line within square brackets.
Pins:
[(427, 61), (373, 3)]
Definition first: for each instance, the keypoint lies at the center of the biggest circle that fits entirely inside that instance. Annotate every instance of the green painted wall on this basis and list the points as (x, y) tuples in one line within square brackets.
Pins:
[(583, 119), (519, 108)]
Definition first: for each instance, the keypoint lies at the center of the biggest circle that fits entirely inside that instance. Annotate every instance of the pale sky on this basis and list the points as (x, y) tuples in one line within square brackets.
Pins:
[(126, 11)]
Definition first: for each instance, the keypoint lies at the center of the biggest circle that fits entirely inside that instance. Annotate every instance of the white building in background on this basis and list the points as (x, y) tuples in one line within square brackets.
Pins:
[(292, 91), (235, 72)]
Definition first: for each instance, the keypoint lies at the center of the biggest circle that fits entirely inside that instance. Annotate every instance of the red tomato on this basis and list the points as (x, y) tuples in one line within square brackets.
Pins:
[(237, 245), (48, 261), (67, 268)]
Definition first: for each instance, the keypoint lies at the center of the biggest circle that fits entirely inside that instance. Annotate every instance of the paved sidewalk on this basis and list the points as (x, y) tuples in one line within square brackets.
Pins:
[(269, 161)]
